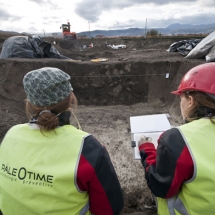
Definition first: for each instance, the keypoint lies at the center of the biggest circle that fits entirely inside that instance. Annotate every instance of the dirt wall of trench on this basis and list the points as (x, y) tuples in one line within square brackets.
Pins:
[(108, 94), (104, 84)]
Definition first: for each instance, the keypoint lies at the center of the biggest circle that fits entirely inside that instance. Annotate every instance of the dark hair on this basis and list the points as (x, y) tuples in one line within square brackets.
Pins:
[(49, 121), (203, 105)]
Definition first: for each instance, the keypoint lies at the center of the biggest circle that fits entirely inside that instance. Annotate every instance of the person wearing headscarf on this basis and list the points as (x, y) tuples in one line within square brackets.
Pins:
[(48, 166)]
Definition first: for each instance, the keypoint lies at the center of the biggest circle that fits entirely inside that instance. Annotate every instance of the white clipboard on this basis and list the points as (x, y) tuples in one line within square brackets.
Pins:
[(148, 125)]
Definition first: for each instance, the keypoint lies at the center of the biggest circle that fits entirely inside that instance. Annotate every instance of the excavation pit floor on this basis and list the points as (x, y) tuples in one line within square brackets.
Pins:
[(133, 82)]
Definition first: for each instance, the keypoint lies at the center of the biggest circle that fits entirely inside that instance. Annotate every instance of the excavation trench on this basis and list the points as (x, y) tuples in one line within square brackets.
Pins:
[(108, 94)]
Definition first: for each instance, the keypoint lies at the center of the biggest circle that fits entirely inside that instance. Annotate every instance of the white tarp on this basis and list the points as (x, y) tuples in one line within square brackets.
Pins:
[(203, 48)]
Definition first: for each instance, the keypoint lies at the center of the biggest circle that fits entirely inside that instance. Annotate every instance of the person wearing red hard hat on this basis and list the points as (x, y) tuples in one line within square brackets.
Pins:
[(180, 172)]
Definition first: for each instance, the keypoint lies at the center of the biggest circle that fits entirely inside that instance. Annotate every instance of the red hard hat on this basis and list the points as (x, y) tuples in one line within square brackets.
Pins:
[(200, 78)]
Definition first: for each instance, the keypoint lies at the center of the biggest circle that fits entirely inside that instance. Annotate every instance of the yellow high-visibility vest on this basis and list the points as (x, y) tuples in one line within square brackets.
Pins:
[(197, 196), (38, 172)]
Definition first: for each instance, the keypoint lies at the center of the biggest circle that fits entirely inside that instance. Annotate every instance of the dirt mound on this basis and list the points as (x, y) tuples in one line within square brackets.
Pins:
[(70, 45)]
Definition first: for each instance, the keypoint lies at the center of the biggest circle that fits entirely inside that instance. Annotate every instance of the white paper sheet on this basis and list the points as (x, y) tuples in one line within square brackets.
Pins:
[(148, 125)]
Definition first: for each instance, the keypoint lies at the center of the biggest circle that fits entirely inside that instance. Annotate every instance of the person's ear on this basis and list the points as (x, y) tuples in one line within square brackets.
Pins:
[(190, 101)]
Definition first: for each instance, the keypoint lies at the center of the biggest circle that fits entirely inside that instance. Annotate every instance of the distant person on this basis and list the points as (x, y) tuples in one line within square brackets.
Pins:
[(47, 165), (181, 171)]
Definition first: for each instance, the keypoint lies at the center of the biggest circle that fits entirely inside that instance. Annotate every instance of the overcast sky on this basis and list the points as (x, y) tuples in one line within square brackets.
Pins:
[(37, 16)]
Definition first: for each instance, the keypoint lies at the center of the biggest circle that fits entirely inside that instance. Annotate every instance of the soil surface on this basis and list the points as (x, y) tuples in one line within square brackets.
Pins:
[(133, 82)]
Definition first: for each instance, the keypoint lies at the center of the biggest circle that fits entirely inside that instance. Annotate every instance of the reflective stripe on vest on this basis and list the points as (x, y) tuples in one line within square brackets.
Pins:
[(38, 172), (197, 195)]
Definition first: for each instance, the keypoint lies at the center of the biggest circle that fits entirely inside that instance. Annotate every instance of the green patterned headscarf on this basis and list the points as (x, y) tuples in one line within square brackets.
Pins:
[(46, 86)]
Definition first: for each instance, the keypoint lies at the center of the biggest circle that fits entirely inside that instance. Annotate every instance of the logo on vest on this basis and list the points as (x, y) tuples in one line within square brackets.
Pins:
[(26, 177)]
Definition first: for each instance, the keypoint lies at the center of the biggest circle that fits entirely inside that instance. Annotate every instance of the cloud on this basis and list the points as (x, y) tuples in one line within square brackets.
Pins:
[(32, 28), (89, 10), (123, 25), (197, 19), (38, 1), (48, 3), (4, 15), (207, 3)]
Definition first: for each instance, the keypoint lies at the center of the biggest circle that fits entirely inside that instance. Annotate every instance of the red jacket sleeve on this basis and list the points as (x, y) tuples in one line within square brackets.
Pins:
[(167, 167), (97, 176)]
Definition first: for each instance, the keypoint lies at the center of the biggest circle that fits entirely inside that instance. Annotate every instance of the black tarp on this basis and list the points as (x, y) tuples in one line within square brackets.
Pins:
[(29, 47), (184, 46)]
